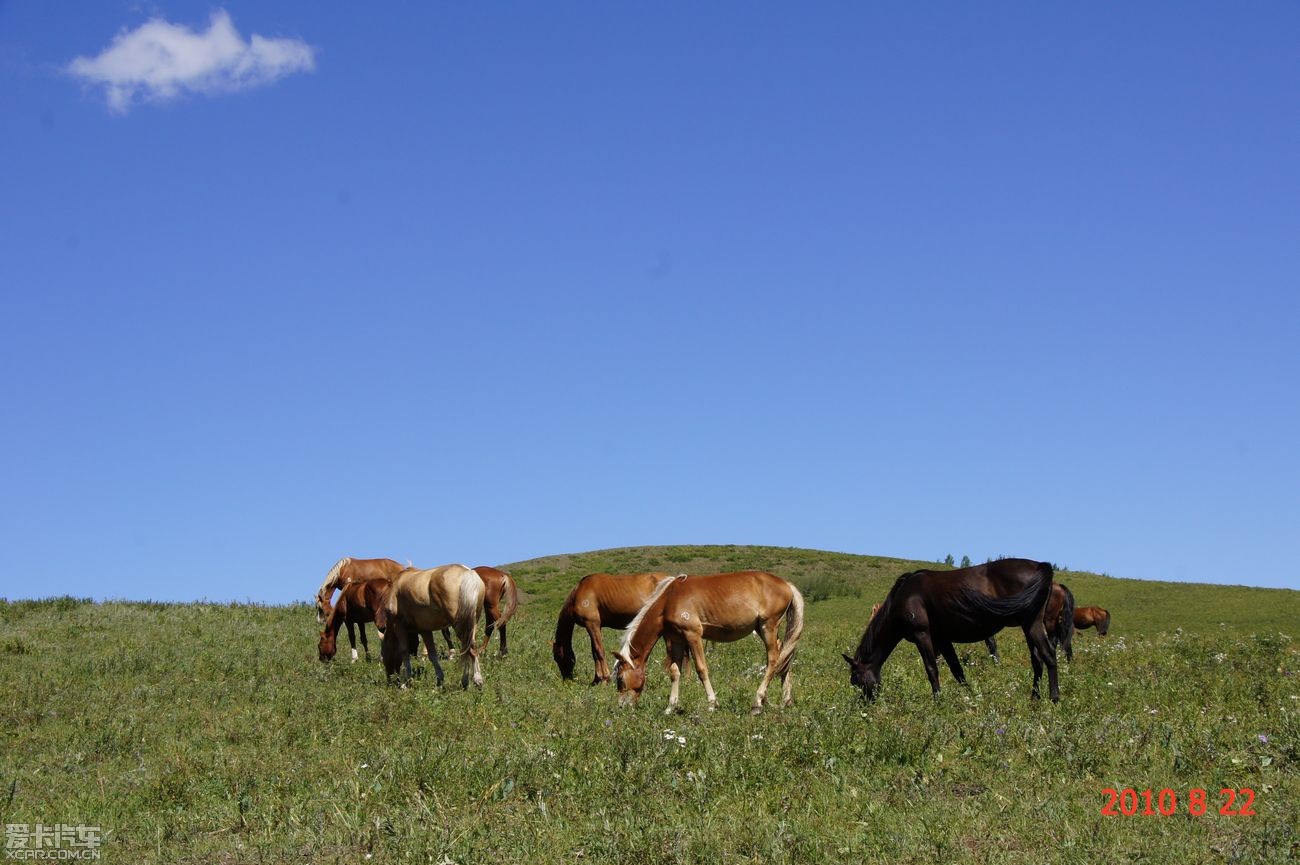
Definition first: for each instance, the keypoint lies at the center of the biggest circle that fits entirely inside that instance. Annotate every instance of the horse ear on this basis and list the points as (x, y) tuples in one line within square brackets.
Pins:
[(847, 658), (622, 657)]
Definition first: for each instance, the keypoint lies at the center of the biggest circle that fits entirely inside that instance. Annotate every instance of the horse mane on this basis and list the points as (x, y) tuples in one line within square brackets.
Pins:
[(886, 607), (333, 574), (660, 588)]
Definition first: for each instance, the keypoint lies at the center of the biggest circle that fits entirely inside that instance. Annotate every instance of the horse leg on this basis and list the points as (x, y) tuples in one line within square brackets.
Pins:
[(992, 645), (1043, 654), (1069, 647), (926, 648), (352, 641), (950, 655), (365, 647), (451, 647), (673, 663), (490, 612), (696, 645), (597, 652), (502, 632), (432, 649), (767, 633)]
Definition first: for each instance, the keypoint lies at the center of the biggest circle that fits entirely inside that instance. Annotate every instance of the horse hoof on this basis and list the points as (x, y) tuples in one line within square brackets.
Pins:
[(713, 707), (757, 710)]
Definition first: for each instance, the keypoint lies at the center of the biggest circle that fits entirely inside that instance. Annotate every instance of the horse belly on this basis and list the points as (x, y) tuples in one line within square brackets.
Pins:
[(725, 634)]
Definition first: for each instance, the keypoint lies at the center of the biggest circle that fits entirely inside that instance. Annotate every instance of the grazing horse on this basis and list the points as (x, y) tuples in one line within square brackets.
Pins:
[(1089, 617), (685, 611), (1058, 619), (355, 570), (422, 601), (935, 609), (357, 604), (599, 601)]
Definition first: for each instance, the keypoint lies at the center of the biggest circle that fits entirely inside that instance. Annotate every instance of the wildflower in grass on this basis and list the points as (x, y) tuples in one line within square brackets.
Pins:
[(1263, 738)]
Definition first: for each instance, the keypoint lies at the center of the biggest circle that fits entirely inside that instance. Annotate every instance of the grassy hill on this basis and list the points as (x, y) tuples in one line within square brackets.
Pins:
[(210, 733)]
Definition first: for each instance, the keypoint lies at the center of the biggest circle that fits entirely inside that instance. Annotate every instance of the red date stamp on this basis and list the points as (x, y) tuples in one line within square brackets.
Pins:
[(1231, 802)]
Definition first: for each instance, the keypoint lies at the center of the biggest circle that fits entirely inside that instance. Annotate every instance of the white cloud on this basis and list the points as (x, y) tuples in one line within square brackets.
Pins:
[(159, 60)]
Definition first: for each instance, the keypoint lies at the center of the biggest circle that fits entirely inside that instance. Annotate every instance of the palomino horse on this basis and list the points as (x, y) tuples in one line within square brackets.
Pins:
[(422, 601), (357, 604), (1090, 617), (599, 601), (1058, 618), (355, 570), (723, 608), (935, 609)]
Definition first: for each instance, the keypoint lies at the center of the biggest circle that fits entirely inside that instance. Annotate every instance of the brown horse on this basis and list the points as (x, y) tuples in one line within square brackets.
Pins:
[(1092, 617), (685, 611), (422, 601), (599, 601), (935, 609), (500, 600), (991, 644), (357, 604), (1058, 618), (356, 570)]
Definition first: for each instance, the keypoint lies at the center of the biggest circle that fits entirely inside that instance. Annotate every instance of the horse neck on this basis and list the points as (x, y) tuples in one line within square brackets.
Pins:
[(878, 641), (564, 628), (641, 642)]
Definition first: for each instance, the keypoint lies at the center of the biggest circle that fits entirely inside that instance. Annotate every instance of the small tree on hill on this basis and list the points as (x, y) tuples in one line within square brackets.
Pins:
[(948, 560), (965, 561)]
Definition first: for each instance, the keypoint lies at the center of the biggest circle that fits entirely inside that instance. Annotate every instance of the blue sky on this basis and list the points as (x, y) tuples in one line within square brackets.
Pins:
[(483, 282)]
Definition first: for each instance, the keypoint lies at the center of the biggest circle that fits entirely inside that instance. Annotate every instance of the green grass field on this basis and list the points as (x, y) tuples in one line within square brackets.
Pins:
[(210, 733)]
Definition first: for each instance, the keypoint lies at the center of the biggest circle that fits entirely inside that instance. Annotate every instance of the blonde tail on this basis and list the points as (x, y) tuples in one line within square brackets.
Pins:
[(793, 628)]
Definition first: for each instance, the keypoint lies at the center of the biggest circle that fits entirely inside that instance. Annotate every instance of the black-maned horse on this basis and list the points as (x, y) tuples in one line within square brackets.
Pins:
[(935, 609), (1058, 619)]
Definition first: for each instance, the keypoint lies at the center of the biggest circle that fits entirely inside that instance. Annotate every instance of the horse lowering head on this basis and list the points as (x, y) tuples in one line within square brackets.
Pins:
[(630, 680), (393, 649), (565, 658), (326, 646), (863, 677)]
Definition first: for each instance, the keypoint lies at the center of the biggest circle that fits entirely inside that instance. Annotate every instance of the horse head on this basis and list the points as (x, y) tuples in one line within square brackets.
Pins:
[(863, 677), (326, 648), (565, 659), (629, 678)]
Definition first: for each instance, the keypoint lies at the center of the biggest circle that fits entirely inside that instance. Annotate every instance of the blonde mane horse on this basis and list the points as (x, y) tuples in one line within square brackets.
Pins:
[(422, 601), (355, 570), (723, 608)]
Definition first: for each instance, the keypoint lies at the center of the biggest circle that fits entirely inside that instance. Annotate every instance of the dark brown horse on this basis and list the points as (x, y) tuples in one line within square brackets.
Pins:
[(1058, 618), (723, 608), (1092, 617), (355, 570), (935, 609), (599, 601), (357, 604)]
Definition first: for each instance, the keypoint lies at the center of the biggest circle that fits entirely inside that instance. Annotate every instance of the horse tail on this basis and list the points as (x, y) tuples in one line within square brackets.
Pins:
[(793, 629), (1029, 599), (468, 604), (511, 592), (386, 606), (1065, 622)]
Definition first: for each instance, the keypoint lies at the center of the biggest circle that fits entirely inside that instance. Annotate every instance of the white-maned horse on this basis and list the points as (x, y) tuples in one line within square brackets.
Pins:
[(420, 602)]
